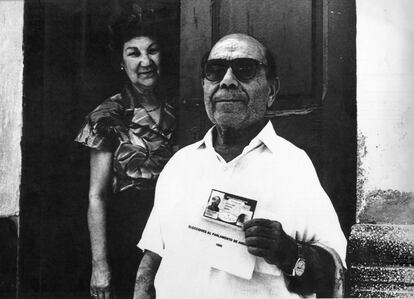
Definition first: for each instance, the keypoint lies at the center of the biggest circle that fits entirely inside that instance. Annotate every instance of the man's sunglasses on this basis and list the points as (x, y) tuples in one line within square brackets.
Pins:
[(243, 68)]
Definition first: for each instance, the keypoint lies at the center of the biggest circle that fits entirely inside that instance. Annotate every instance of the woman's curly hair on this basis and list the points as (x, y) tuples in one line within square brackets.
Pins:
[(137, 21)]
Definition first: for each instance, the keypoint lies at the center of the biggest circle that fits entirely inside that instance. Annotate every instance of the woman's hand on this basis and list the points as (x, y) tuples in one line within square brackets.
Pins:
[(100, 286), (101, 163)]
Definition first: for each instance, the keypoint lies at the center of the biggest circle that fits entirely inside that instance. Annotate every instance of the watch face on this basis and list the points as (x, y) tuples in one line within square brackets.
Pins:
[(300, 267)]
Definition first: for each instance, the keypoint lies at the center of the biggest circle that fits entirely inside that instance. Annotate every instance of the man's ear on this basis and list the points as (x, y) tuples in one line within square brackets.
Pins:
[(274, 87)]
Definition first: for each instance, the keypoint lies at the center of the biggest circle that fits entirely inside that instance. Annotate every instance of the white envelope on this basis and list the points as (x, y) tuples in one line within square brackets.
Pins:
[(232, 258)]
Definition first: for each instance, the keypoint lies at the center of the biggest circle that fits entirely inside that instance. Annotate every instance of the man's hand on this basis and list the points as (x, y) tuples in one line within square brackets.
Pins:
[(267, 239), (100, 281)]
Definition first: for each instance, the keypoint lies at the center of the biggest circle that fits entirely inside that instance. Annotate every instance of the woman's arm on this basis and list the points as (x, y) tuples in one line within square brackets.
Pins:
[(144, 283), (100, 178)]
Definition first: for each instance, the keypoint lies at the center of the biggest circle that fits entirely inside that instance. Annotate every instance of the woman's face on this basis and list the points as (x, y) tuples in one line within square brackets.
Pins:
[(141, 59)]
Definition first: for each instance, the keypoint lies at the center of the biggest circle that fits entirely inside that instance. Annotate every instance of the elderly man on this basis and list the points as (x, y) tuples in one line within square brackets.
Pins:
[(293, 244)]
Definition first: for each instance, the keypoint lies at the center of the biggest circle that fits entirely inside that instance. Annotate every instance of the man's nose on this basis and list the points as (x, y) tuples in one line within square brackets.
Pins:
[(229, 79)]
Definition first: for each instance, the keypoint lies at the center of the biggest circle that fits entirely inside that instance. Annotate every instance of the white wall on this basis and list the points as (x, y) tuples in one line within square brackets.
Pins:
[(11, 93), (385, 93)]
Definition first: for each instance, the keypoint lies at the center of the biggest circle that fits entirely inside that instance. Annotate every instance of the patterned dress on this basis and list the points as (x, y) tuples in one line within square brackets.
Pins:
[(141, 147)]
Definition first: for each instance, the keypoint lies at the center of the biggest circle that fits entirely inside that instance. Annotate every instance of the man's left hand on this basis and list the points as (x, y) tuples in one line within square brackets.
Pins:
[(267, 239)]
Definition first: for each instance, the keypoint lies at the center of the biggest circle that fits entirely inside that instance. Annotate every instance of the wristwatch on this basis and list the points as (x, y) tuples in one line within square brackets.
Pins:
[(300, 264)]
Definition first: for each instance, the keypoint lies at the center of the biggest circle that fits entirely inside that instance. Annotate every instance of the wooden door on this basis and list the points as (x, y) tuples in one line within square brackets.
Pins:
[(314, 41)]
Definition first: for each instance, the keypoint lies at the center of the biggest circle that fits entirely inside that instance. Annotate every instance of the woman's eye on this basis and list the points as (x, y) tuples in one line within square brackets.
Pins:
[(153, 51), (134, 53)]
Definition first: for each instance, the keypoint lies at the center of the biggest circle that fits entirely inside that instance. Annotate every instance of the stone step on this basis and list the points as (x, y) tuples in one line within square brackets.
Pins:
[(392, 274), (381, 243), (381, 260), (381, 291)]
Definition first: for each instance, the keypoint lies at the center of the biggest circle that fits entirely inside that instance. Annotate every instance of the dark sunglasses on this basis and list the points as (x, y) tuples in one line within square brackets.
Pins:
[(243, 68)]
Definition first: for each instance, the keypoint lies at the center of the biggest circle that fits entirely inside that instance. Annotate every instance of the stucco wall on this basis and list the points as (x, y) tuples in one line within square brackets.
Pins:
[(381, 246), (385, 102), (11, 96)]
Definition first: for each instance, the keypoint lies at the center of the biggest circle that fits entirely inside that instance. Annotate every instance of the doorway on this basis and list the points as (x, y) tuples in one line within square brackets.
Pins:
[(67, 73)]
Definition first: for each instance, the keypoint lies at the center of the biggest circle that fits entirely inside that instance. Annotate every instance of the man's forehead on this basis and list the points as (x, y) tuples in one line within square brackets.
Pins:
[(238, 46)]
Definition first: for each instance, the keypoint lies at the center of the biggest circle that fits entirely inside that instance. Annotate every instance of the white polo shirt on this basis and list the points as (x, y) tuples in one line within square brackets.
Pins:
[(270, 170)]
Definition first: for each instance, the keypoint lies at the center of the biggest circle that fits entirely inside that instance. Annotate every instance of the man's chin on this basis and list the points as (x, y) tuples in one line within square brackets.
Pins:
[(229, 120)]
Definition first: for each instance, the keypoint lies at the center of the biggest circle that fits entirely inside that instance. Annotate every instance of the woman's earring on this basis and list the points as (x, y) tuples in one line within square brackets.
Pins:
[(122, 67)]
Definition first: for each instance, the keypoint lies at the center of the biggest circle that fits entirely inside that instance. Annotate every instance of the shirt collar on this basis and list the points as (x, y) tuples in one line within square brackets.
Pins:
[(266, 136)]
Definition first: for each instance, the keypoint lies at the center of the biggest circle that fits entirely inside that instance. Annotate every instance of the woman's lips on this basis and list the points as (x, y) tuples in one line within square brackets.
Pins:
[(147, 73)]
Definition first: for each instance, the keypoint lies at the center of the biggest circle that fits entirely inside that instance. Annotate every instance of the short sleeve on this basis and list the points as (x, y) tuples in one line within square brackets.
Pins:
[(101, 126), (321, 224), (88, 136), (152, 238)]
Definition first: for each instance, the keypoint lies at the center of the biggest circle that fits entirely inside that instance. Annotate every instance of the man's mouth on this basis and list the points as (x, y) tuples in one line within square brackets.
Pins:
[(228, 96), (227, 100)]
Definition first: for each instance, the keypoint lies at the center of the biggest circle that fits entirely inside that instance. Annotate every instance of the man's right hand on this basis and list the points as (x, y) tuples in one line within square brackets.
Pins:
[(100, 286)]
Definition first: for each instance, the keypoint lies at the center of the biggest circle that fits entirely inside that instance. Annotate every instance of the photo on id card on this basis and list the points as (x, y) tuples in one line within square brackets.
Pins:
[(229, 209)]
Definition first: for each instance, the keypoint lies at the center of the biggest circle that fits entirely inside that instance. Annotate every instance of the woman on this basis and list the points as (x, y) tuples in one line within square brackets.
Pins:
[(130, 139)]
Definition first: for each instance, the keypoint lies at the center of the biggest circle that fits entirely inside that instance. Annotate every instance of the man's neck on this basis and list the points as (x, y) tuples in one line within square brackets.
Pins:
[(230, 142)]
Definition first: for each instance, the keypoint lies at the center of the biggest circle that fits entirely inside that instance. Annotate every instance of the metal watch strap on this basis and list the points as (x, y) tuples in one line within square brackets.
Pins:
[(300, 264)]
